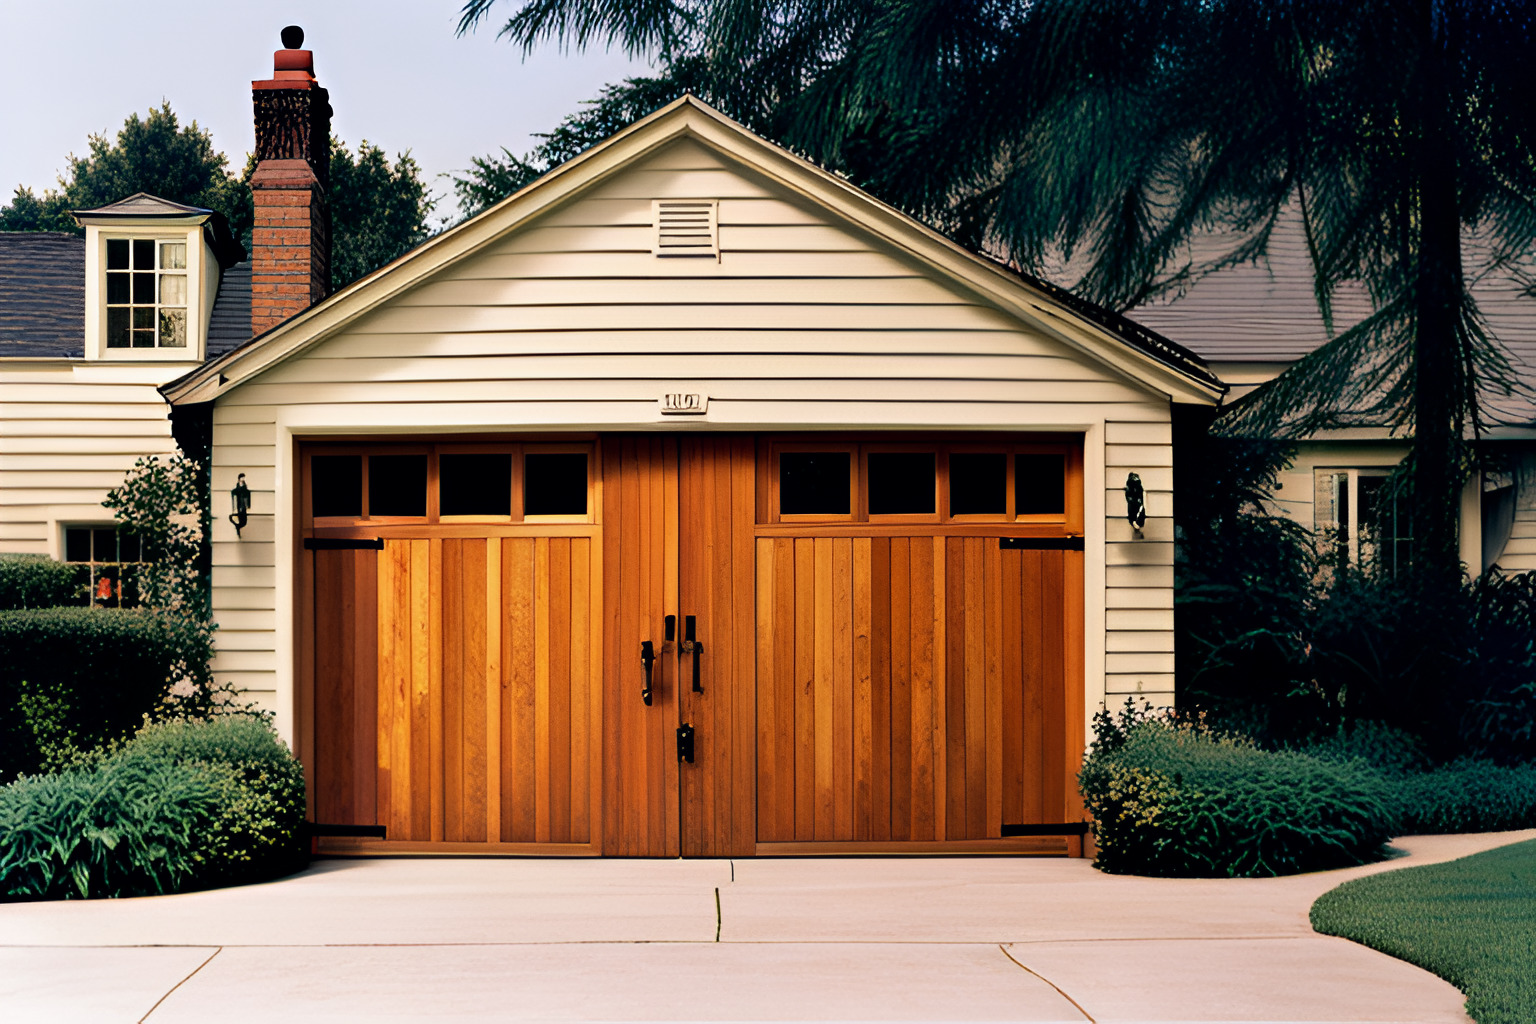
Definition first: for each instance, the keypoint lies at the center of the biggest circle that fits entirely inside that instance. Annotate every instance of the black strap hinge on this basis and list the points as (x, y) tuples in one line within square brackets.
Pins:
[(343, 544), (1042, 543)]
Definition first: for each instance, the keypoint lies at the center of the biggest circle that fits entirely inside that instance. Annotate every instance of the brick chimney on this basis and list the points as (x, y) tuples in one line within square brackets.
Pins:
[(291, 239)]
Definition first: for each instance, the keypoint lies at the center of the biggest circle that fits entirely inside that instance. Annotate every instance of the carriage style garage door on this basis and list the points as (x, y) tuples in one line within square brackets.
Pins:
[(696, 645)]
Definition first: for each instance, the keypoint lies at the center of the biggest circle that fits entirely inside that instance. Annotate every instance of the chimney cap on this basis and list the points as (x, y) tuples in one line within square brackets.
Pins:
[(293, 37)]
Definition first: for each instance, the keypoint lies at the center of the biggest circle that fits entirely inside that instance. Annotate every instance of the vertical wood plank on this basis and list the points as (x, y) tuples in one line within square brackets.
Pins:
[(580, 688), (454, 829), (823, 640), (956, 694), (541, 669), (786, 692), (1012, 642), (975, 692), (520, 648), (924, 595), (768, 724), (559, 690), (1033, 623), (992, 559), (494, 617), (805, 688), (420, 722), (863, 729), (880, 687), (842, 688), (902, 740), (743, 662), (434, 737), (1055, 781)]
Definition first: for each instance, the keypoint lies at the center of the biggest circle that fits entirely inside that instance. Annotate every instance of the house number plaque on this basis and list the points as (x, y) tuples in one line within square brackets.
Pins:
[(680, 404)]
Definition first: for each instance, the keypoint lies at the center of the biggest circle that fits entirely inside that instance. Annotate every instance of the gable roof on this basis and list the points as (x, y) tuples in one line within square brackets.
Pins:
[(142, 204), (1135, 352), (1266, 311), (42, 294)]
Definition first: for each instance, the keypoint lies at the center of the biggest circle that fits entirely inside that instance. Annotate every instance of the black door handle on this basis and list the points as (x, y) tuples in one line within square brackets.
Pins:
[(647, 659), (688, 645)]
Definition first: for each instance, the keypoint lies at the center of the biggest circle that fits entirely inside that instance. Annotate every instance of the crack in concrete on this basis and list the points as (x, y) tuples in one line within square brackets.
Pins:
[(1086, 1015), (180, 983), (717, 913)]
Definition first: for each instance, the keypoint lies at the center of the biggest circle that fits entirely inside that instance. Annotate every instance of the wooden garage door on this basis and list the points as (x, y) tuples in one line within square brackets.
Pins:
[(917, 681), (869, 676), (454, 678)]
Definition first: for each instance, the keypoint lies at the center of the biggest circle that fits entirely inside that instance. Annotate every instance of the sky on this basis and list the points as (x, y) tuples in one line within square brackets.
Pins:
[(397, 73)]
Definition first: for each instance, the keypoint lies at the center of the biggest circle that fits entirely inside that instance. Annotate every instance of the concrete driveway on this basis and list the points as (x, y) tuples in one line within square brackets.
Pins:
[(829, 939)]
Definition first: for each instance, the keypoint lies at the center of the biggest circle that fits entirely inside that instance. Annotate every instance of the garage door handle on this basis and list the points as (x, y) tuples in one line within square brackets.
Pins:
[(689, 645), (647, 659)]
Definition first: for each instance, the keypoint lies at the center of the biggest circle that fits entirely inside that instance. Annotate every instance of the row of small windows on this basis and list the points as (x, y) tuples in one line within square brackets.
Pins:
[(485, 485), (146, 293), (855, 482)]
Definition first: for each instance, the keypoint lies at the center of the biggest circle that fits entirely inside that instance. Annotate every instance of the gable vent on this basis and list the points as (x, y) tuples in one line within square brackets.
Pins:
[(686, 227)]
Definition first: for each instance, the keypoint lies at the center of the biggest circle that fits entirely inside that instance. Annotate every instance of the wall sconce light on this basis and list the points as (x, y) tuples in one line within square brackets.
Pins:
[(240, 500), (1135, 503)]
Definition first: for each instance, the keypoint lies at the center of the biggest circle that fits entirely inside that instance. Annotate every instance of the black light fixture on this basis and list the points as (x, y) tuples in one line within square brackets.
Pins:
[(1135, 503), (240, 500)]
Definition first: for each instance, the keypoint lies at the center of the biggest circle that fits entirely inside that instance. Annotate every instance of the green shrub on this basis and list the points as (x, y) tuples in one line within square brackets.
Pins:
[(1468, 796), (1178, 799), (102, 670), (256, 832), (36, 581), (127, 827), (183, 805)]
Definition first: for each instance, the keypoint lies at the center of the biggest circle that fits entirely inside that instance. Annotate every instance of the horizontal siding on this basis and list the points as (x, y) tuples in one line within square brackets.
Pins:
[(69, 432), (801, 322)]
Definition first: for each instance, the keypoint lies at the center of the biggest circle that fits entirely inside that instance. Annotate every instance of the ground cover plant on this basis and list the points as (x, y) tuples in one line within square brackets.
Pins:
[(1471, 921), (183, 805), (1179, 798)]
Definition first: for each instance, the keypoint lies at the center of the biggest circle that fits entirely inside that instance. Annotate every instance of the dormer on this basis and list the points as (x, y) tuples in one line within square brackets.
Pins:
[(152, 270)]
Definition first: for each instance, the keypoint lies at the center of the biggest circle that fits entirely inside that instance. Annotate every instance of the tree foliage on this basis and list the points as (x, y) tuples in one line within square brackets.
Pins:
[(378, 211), (155, 155), (1092, 140)]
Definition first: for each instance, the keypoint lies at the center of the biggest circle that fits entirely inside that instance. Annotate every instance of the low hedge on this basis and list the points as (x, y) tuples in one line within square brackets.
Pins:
[(1181, 800), (183, 805), (37, 581), (93, 673)]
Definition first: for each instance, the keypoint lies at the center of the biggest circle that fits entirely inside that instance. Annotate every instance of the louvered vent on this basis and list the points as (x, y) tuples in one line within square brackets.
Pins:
[(687, 227)]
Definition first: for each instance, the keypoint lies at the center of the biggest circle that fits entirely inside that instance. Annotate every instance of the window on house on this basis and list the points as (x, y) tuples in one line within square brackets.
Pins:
[(1362, 516), (146, 293), (555, 484), (110, 561)]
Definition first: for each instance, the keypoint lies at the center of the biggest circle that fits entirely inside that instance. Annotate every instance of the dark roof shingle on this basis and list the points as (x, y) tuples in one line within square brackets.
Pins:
[(42, 294)]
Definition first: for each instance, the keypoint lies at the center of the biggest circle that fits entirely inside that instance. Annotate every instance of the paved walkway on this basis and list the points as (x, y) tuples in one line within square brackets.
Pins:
[(934, 939)]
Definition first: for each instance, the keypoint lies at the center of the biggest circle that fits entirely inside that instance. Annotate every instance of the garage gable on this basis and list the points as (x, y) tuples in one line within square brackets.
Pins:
[(686, 237)]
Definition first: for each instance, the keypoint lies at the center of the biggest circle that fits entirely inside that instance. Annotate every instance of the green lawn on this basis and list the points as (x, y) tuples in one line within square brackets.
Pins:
[(1471, 921)]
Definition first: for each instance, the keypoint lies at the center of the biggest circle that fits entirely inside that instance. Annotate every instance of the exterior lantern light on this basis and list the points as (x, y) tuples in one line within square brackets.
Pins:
[(1135, 503), (240, 502)]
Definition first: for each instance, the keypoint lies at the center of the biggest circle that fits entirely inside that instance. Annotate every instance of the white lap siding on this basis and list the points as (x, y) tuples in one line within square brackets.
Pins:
[(571, 323), (69, 431)]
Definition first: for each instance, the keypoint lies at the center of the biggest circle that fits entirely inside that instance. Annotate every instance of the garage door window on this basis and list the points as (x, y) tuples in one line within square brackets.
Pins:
[(458, 483), (890, 483)]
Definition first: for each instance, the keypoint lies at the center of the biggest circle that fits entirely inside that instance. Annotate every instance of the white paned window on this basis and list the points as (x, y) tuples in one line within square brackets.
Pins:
[(146, 293), (686, 227), (1362, 517)]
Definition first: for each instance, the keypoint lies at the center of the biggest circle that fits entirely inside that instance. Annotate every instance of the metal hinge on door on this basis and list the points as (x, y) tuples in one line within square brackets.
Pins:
[(685, 743)]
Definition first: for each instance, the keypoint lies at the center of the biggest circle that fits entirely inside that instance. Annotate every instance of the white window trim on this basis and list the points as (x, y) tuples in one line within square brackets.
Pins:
[(1352, 476), (202, 279)]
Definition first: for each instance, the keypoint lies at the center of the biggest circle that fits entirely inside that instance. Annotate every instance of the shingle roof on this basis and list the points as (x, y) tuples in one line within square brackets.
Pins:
[(42, 298), (1267, 312), (229, 325), (42, 294)]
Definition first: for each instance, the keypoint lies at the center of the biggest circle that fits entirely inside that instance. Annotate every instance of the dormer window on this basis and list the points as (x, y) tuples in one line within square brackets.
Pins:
[(152, 273), (146, 293)]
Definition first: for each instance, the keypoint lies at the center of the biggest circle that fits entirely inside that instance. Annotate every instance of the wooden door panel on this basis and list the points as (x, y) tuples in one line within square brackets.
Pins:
[(912, 688), (640, 782), (478, 691), (345, 603), (717, 501)]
